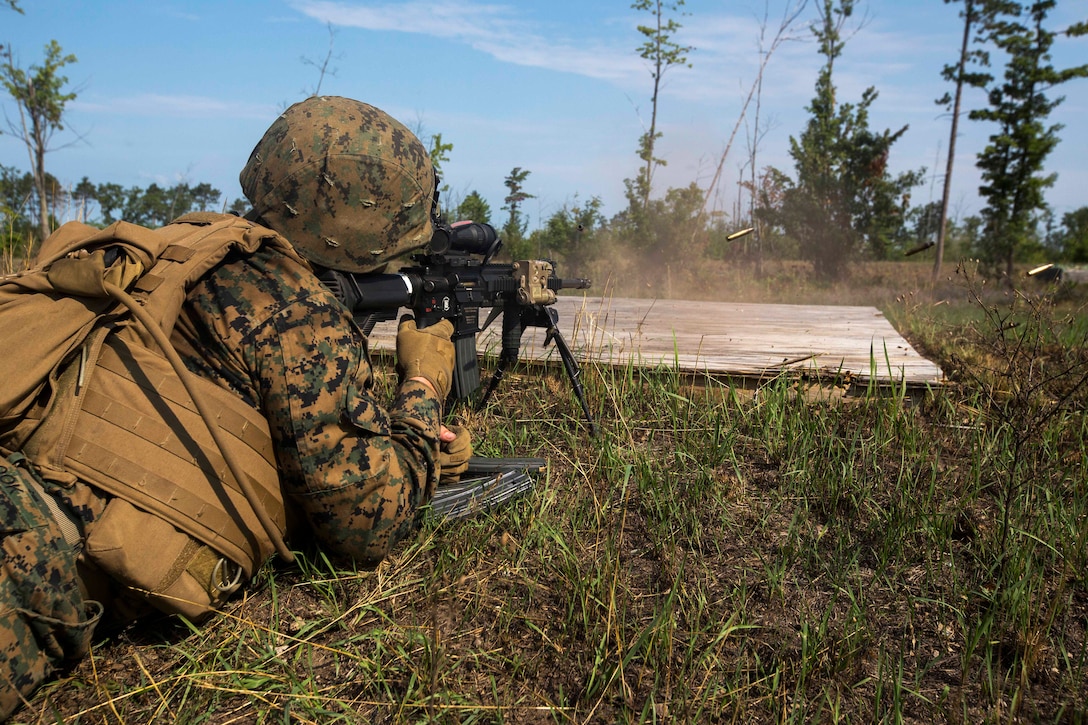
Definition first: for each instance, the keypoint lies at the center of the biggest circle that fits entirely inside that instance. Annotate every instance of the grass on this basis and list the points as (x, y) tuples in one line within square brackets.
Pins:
[(710, 557)]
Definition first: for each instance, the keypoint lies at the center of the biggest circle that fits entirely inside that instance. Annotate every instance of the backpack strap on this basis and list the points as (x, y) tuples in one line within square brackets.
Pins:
[(148, 273), (181, 447), (190, 247)]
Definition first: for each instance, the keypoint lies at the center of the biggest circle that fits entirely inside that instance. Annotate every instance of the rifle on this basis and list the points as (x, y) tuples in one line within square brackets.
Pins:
[(452, 278)]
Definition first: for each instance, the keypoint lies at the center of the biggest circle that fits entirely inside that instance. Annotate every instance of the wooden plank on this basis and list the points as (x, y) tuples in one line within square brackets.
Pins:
[(724, 338)]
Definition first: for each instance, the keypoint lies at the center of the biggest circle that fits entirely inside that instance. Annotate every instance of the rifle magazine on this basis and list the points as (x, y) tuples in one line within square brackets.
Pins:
[(487, 484)]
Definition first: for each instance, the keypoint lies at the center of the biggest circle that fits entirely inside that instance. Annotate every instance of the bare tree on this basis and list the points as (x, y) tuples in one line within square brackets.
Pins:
[(323, 65), (792, 11), (972, 13), (38, 94)]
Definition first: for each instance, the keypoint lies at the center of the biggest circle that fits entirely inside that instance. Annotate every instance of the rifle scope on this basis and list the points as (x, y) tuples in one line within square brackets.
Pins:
[(466, 237)]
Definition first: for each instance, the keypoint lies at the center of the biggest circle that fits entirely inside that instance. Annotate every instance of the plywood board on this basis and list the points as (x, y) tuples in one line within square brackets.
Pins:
[(724, 338)]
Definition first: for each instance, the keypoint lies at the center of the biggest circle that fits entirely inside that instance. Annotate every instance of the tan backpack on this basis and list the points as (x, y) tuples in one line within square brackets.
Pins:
[(93, 391)]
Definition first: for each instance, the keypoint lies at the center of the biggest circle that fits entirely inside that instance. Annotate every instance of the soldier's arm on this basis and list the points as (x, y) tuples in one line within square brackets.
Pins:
[(354, 469)]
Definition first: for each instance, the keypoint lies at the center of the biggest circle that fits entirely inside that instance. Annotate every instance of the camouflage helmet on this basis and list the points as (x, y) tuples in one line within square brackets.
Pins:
[(348, 184)]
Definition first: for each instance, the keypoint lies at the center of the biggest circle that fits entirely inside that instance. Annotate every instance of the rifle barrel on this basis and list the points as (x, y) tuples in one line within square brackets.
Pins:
[(569, 283)]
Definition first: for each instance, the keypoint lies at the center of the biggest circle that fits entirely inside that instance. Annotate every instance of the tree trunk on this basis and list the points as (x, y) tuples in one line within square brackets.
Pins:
[(943, 222), (653, 116), (39, 181)]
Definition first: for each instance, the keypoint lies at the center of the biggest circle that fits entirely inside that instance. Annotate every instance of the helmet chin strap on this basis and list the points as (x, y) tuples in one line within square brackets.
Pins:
[(434, 200)]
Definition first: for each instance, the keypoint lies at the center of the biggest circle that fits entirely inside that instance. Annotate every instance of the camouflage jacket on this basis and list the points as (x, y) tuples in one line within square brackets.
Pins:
[(353, 471)]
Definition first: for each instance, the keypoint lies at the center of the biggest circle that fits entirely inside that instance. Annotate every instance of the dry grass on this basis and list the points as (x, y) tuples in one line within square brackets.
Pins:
[(708, 558)]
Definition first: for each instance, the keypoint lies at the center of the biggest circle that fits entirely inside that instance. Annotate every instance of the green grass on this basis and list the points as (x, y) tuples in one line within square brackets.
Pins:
[(712, 556)]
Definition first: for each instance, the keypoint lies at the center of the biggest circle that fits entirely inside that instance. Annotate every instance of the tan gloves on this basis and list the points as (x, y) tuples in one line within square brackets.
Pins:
[(426, 353), (429, 354), (453, 455)]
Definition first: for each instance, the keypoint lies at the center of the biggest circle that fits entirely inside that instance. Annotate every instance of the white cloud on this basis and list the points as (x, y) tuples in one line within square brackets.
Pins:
[(439, 19), (157, 104), (724, 61), (496, 30)]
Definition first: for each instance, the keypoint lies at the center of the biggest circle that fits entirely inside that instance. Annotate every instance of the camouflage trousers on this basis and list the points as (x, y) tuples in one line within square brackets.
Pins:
[(44, 622)]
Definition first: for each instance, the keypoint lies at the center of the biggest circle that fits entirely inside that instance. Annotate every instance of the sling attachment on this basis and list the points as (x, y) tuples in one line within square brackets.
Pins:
[(222, 579), (207, 414)]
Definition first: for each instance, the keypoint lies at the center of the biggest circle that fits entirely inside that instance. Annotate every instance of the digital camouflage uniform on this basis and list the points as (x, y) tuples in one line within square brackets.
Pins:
[(351, 188), (44, 622), (352, 471), (344, 178)]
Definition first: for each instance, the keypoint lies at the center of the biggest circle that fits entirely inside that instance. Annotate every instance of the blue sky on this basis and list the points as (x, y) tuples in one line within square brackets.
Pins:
[(173, 91)]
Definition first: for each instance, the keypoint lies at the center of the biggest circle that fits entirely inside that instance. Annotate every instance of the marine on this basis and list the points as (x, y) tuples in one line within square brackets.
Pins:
[(118, 494)]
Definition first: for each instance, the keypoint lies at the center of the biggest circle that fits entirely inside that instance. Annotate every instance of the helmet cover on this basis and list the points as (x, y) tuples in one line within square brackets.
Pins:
[(350, 186)]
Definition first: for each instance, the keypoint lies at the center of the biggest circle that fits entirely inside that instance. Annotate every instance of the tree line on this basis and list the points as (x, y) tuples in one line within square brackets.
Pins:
[(99, 204), (839, 203)]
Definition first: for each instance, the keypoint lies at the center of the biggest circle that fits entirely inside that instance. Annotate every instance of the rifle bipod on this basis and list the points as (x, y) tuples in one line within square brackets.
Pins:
[(513, 326)]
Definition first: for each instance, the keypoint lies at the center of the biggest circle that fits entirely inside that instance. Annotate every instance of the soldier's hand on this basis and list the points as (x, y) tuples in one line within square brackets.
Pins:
[(426, 353), (454, 450)]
